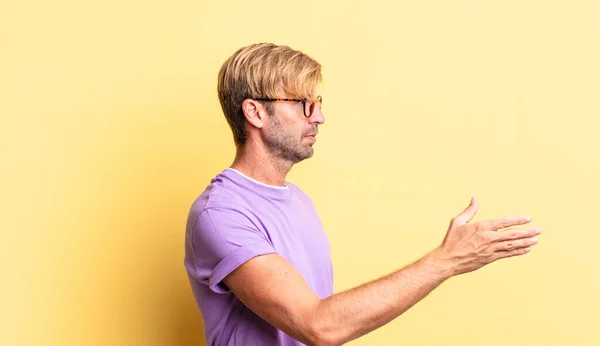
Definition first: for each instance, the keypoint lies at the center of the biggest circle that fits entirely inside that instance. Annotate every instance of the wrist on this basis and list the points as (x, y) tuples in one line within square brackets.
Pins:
[(441, 265)]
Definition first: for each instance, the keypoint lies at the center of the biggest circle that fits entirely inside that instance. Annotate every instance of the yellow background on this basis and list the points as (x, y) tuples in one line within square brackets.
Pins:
[(111, 126)]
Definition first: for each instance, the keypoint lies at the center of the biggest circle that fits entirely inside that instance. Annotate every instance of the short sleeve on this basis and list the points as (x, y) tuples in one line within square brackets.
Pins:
[(222, 240)]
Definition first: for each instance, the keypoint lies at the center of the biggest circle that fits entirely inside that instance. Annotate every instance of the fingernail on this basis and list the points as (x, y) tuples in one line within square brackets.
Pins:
[(528, 218), (535, 240), (538, 230)]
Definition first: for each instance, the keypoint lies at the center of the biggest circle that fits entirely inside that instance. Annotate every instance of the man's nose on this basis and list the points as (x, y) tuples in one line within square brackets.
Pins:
[(317, 117)]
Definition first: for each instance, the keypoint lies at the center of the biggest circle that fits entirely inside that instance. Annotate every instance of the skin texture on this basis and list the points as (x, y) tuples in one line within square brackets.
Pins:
[(274, 290), (284, 142), (276, 141)]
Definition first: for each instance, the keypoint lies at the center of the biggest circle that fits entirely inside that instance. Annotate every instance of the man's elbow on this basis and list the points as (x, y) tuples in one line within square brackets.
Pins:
[(325, 340), (315, 326), (323, 334)]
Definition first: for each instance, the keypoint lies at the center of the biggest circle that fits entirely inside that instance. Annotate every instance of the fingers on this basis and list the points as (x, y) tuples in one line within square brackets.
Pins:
[(468, 214), (515, 242), (510, 245), (504, 222), (516, 252), (517, 233)]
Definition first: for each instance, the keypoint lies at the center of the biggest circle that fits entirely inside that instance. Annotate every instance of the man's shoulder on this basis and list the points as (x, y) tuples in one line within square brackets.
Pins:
[(219, 194), (299, 192)]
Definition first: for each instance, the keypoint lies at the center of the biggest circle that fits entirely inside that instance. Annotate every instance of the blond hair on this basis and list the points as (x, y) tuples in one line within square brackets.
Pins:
[(264, 70)]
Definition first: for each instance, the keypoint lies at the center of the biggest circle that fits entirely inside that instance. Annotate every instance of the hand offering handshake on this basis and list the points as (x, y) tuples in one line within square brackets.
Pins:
[(469, 247)]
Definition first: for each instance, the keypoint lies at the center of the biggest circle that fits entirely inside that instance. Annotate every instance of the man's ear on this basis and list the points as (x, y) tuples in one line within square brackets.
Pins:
[(254, 112)]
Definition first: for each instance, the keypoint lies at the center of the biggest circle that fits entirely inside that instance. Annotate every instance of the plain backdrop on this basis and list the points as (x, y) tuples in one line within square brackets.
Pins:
[(111, 127)]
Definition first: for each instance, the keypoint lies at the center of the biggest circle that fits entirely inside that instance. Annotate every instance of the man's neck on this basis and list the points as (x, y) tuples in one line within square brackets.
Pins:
[(260, 166)]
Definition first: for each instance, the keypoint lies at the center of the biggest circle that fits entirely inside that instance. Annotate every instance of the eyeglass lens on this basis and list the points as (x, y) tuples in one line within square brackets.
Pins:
[(310, 108)]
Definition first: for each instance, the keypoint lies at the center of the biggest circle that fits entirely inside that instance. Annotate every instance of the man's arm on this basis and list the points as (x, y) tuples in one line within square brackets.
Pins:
[(274, 290)]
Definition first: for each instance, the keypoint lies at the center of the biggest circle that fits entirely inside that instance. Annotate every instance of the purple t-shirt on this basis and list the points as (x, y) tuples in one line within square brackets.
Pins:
[(235, 219)]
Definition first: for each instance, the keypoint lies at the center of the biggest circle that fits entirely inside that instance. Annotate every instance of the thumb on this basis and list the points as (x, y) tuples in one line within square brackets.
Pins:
[(468, 214)]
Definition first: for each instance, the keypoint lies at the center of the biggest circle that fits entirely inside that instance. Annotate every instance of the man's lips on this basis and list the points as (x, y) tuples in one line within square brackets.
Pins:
[(312, 135)]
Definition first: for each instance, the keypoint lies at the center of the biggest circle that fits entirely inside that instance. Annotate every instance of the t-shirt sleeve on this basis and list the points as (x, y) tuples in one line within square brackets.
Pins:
[(222, 240)]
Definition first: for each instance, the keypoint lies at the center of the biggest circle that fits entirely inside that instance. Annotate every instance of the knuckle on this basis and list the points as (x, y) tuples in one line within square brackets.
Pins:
[(486, 237), (453, 221), (520, 251)]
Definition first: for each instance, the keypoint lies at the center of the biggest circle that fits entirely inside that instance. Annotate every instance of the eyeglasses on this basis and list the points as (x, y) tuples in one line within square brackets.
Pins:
[(307, 106)]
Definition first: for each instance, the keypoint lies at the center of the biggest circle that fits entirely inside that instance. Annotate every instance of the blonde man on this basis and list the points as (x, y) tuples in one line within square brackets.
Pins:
[(257, 256)]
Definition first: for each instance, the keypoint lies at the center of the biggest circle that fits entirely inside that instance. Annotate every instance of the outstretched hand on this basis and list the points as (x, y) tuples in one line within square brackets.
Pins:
[(470, 246)]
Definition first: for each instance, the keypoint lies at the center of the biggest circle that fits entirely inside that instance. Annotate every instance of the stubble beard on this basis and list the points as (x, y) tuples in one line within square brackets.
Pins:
[(283, 146)]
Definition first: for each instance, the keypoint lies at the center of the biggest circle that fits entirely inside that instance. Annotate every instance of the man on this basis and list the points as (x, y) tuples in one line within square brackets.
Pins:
[(256, 254)]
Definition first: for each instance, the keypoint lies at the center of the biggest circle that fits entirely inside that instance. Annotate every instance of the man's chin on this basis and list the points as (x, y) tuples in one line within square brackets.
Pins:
[(305, 155)]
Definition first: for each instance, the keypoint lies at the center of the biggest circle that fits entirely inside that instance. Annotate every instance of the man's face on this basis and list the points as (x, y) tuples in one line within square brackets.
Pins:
[(289, 134)]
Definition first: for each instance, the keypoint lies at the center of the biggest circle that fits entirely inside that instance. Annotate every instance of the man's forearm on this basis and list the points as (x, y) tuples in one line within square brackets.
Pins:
[(348, 315)]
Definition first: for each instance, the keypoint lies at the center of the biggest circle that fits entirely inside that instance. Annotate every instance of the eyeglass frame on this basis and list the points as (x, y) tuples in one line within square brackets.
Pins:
[(303, 101)]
